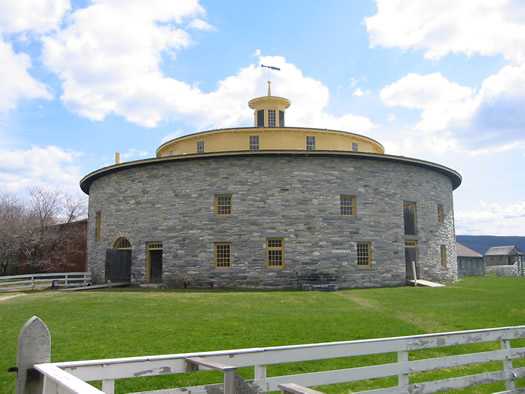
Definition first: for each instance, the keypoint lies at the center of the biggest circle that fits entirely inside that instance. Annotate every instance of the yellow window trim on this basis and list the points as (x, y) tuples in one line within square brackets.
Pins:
[(441, 216), (150, 246), (278, 247), (157, 245), (223, 255), (364, 254), (122, 243), (348, 205), (223, 203), (98, 229), (443, 250)]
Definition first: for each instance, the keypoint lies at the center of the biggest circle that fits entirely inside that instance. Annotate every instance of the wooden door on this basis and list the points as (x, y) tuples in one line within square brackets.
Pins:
[(118, 265)]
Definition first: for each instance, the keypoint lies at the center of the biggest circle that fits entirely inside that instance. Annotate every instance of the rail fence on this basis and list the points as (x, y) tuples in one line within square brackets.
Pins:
[(72, 377), (41, 281)]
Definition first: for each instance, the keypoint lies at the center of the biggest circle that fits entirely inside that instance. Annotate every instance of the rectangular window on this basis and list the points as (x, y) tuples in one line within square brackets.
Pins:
[(223, 205), (354, 146), (348, 205), (260, 118), (409, 215), (364, 254), (200, 147), (310, 142), (275, 252), (271, 118), (98, 226), (254, 142), (441, 217), (223, 255), (443, 256), (281, 119)]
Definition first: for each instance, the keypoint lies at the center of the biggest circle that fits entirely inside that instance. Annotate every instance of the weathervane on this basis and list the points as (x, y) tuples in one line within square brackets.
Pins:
[(269, 82)]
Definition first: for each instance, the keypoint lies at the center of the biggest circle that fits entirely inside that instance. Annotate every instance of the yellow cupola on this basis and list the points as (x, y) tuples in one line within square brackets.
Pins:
[(269, 110)]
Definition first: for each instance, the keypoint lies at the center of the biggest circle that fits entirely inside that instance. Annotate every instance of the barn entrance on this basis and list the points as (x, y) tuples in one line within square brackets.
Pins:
[(118, 261), (411, 256), (154, 262)]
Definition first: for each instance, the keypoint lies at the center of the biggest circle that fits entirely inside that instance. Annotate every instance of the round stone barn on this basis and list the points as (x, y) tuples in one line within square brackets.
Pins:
[(272, 206)]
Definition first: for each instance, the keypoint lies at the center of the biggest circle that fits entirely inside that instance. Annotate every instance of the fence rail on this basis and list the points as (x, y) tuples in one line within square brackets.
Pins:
[(40, 281), (72, 377)]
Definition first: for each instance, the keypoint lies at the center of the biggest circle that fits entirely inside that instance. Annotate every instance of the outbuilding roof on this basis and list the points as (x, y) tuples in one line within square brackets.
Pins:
[(463, 251), (511, 250)]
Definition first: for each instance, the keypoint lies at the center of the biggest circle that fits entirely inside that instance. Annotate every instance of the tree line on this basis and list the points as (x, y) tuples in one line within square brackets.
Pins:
[(34, 232)]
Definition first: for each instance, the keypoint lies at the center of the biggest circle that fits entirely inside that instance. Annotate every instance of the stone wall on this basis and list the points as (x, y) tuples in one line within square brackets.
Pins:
[(471, 266), (293, 197), (503, 270)]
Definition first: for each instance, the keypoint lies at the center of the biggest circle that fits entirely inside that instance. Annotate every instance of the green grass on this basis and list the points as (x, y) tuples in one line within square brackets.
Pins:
[(133, 322)]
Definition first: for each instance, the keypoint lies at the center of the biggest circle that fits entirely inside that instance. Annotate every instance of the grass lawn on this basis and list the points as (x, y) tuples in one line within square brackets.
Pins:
[(138, 322)]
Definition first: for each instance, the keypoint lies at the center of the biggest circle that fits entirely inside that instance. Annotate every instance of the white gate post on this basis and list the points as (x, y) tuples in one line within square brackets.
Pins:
[(507, 365), (402, 379), (34, 347)]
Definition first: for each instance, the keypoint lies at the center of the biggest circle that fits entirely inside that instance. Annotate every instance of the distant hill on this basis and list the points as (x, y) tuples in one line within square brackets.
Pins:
[(482, 243)]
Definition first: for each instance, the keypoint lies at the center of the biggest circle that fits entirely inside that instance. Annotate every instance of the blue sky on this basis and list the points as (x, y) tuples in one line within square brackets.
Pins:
[(440, 80)]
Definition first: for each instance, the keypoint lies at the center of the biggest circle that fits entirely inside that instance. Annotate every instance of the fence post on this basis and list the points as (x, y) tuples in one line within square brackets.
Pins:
[(507, 365), (34, 347), (414, 272), (402, 379)]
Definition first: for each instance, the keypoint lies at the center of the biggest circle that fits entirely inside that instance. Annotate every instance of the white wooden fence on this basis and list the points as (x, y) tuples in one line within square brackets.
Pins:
[(40, 281), (71, 377)]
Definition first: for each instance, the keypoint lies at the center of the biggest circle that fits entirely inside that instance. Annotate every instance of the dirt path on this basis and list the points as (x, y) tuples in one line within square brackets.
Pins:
[(6, 297), (424, 323)]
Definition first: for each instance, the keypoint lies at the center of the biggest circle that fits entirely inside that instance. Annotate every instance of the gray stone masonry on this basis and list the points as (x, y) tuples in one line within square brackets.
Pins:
[(293, 197)]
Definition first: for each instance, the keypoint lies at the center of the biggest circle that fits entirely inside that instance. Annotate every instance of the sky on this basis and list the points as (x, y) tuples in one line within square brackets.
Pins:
[(439, 80)]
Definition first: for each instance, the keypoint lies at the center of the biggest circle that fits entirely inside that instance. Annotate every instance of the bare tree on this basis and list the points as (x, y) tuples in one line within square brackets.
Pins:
[(74, 207), (12, 228), (33, 230)]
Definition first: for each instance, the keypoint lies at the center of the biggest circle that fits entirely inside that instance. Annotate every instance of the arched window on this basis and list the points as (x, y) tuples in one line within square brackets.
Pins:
[(122, 243)]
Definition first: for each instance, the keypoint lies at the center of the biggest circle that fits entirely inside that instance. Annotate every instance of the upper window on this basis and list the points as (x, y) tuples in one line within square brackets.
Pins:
[(223, 204), (409, 215), (354, 146), (254, 142), (441, 216), (364, 254), (281, 119), (98, 227), (271, 118), (260, 118), (310, 142), (223, 255), (275, 252), (200, 147), (348, 205), (443, 250)]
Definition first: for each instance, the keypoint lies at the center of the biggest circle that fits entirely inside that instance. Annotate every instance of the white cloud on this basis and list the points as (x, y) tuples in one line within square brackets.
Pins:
[(199, 24), (493, 219), (28, 15), (23, 16), (439, 27), (109, 59), (134, 153), (171, 136), (443, 102), (359, 92), (16, 82), (49, 166), (489, 117)]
